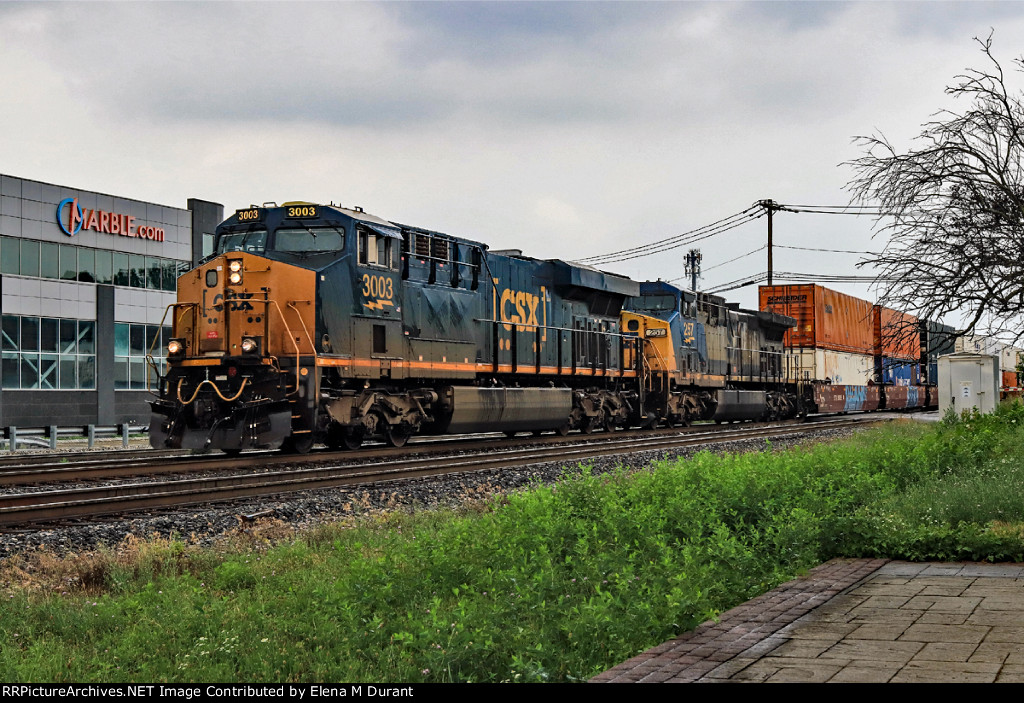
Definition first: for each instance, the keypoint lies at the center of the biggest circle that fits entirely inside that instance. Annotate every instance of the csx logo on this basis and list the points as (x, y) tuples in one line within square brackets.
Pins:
[(236, 302), (519, 307)]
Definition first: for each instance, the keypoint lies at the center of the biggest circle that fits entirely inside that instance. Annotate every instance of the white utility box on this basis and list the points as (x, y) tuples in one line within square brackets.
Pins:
[(968, 381)]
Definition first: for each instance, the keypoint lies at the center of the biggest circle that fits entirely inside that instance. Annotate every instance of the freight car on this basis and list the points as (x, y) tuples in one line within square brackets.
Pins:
[(846, 354), (318, 323)]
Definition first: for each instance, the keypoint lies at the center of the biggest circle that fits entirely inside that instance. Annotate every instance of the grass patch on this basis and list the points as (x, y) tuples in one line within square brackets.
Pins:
[(552, 584)]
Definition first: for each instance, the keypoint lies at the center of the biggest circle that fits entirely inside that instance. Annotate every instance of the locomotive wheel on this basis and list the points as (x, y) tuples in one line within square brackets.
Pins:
[(537, 433), (509, 434), (588, 425), (298, 444), (335, 437), (233, 452), (563, 430), (352, 441), (396, 436)]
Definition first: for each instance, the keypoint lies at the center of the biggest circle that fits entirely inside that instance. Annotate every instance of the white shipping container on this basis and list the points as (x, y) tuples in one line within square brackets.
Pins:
[(839, 368), (1008, 358), (973, 344)]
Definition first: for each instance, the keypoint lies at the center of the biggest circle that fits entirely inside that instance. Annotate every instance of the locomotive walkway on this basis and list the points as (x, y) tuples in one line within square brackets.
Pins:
[(857, 620)]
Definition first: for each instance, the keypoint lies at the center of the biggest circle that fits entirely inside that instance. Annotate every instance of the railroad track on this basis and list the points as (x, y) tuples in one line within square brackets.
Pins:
[(46, 506), (46, 468)]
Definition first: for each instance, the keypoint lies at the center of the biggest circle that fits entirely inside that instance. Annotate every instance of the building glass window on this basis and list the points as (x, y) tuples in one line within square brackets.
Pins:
[(104, 266), (30, 334), (29, 258), (49, 334), (48, 353), (87, 265), (137, 270), (122, 274), (132, 342), (153, 271), (11, 333), (10, 255), (68, 262), (49, 262)]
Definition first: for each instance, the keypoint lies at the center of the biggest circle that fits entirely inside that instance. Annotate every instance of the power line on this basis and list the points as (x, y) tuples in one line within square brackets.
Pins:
[(830, 278), (741, 256), (837, 251), (718, 227), (835, 210), (725, 224), (836, 207)]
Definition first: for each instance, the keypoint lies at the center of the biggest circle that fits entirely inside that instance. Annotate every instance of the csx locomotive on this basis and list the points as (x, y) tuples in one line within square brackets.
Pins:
[(318, 323)]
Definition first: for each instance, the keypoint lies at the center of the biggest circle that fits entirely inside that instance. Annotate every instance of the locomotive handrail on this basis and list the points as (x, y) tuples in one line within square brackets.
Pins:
[(150, 362), (265, 301), (291, 338), (627, 335), (656, 352), (515, 326), (302, 322)]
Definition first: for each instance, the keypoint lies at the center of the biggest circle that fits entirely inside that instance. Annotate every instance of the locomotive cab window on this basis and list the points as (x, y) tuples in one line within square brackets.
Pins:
[(309, 240), (253, 241), (376, 249)]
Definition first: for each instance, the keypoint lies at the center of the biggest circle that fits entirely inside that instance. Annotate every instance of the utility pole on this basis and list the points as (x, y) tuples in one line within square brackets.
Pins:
[(771, 207), (693, 258)]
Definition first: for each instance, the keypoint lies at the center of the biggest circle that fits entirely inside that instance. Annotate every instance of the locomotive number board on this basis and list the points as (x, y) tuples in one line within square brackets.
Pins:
[(301, 211), (252, 214)]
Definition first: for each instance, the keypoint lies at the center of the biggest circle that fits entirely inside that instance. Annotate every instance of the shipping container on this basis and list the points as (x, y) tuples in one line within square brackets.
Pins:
[(975, 344), (936, 339), (1009, 357), (897, 372), (830, 367), (1010, 379), (826, 319), (897, 335)]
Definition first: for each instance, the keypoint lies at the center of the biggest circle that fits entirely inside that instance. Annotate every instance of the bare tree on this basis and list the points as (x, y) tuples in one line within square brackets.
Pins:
[(953, 206)]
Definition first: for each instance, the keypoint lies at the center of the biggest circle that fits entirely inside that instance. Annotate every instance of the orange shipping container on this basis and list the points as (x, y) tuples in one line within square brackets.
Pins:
[(826, 319), (1009, 379), (897, 334)]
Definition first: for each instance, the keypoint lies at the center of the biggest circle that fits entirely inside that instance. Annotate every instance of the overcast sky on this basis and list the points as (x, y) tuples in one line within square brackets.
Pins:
[(562, 129)]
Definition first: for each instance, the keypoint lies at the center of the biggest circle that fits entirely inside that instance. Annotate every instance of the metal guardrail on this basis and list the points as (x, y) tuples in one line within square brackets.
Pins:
[(46, 437)]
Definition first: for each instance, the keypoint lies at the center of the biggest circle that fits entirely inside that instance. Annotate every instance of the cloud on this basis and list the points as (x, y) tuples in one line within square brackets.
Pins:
[(550, 127)]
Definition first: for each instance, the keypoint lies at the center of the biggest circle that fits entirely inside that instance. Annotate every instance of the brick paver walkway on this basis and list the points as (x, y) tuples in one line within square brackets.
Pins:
[(857, 621)]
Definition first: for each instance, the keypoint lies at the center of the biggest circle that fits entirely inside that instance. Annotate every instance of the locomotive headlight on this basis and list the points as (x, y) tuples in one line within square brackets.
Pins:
[(235, 272), (176, 347), (250, 345)]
